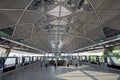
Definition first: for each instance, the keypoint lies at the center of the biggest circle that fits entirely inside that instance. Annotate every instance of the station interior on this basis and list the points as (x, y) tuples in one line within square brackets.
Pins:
[(59, 39)]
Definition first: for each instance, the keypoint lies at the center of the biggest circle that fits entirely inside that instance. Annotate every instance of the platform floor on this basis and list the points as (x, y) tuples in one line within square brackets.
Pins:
[(85, 72)]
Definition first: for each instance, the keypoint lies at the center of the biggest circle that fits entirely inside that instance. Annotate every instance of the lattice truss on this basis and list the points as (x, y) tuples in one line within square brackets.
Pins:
[(60, 25)]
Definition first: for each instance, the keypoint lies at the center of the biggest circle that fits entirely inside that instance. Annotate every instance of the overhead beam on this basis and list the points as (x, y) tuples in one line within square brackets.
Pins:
[(98, 17), (21, 16), (98, 44), (21, 44)]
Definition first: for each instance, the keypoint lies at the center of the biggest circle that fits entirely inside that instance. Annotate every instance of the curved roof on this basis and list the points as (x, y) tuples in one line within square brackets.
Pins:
[(60, 25)]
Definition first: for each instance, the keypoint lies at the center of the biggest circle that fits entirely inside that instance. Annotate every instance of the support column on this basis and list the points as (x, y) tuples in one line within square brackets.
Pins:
[(23, 60), (79, 60), (16, 61), (89, 58), (7, 52), (97, 60), (55, 60), (86, 58)]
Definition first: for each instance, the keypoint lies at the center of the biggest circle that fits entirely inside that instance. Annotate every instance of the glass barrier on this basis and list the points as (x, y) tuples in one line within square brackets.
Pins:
[(10, 62), (93, 58)]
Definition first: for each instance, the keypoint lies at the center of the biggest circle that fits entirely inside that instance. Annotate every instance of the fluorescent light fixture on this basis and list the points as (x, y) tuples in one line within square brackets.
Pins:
[(21, 44), (12, 41), (97, 44)]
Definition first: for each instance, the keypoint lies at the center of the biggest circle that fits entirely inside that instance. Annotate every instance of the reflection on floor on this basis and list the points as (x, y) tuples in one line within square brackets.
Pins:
[(84, 72)]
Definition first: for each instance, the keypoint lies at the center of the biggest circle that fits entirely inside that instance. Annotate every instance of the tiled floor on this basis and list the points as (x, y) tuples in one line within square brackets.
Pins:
[(84, 72)]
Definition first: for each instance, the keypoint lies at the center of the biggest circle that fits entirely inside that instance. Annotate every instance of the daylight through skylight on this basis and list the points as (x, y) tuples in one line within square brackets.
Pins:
[(59, 11), (58, 22)]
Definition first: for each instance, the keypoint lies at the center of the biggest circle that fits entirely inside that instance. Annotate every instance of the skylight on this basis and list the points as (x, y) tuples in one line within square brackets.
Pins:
[(61, 0), (59, 11), (58, 22)]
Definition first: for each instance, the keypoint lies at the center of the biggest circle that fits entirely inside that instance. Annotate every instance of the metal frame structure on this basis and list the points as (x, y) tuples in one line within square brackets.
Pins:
[(31, 20)]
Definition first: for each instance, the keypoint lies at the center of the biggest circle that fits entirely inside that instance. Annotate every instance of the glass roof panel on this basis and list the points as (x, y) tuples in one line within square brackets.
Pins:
[(58, 22), (59, 11), (61, 0)]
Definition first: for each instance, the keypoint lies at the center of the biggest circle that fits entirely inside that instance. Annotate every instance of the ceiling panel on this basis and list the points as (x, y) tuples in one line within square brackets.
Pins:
[(110, 4), (9, 17), (78, 23), (14, 4), (30, 17)]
